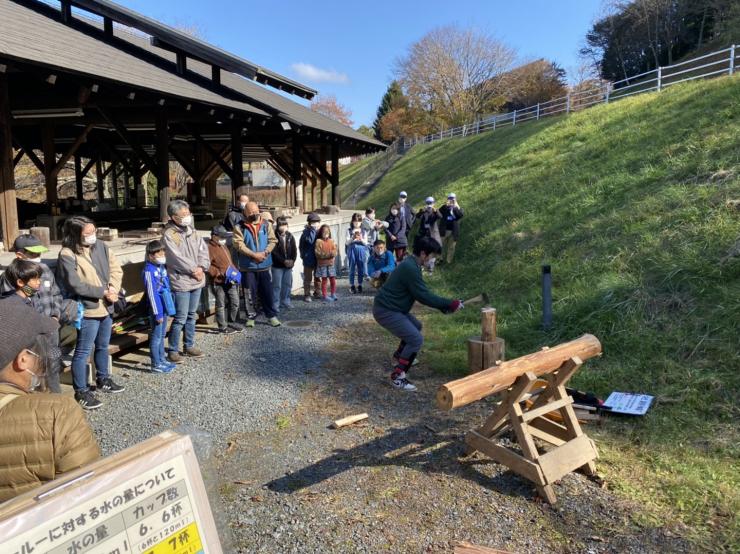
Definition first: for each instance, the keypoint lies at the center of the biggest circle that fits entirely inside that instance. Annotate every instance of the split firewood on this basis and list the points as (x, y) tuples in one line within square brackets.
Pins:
[(349, 420)]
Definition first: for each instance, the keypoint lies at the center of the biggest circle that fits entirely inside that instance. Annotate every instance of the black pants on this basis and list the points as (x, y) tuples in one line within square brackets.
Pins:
[(259, 284), (227, 304)]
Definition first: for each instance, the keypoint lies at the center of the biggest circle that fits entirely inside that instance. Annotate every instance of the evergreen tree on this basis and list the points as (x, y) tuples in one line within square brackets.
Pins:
[(392, 99)]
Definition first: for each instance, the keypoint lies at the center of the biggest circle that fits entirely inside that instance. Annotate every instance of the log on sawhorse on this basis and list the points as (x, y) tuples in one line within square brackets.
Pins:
[(570, 448)]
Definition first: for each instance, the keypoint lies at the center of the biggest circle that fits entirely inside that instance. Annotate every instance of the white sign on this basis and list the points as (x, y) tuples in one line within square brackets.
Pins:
[(628, 403)]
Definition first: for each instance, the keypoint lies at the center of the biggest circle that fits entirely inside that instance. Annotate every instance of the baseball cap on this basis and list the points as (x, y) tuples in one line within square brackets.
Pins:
[(19, 326), (313, 217), (267, 216), (29, 242), (451, 196), (403, 194), (429, 200), (220, 231)]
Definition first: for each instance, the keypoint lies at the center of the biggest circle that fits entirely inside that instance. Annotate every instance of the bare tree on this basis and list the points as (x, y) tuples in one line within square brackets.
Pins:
[(454, 72), (329, 106)]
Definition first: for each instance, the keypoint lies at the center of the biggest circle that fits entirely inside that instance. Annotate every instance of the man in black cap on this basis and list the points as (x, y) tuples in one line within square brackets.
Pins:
[(43, 435)]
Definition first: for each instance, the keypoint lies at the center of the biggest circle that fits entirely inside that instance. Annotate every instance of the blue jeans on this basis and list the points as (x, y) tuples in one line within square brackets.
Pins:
[(404, 326), (282, 284), (186, 312), (93, 333), (357, 255), (156, 340)]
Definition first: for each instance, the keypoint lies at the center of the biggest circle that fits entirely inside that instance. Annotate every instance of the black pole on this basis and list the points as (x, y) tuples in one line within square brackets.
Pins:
[(546, 297)]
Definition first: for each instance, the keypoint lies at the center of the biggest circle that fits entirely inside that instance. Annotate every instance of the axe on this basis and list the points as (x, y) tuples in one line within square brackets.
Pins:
[(480, 299)]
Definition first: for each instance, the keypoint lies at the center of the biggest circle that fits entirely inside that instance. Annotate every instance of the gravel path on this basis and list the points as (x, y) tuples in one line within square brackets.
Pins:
[(242, 381)]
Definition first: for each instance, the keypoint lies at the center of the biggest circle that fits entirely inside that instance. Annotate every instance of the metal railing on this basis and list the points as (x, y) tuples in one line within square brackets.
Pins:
[(714, 64), (364, 177)]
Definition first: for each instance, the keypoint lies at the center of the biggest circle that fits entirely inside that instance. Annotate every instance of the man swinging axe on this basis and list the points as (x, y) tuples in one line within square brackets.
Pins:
[(395, 300)]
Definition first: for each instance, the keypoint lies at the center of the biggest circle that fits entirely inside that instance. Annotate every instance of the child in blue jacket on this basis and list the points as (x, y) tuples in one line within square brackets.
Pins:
[(380, 264), (157, 284)]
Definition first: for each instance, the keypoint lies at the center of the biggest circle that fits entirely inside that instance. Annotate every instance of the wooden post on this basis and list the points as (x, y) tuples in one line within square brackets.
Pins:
[(50, 160), (114, 184), (99, 179), (487, 350), (237, 162), (78, 178), (322, 174), (314, 190), (335, 194), (304, 179), (163, 165), (297, 172), (8, 206)]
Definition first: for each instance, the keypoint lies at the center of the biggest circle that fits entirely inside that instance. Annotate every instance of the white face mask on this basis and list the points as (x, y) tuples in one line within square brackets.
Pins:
[(401, 200), (161, 261), (356, 224), (315, 226), (222, 242), (34, 260), (89, 240), (186, 221), (394, 212)]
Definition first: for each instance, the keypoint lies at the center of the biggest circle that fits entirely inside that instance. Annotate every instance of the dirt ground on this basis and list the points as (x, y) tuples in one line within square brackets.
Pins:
[(397, 481)]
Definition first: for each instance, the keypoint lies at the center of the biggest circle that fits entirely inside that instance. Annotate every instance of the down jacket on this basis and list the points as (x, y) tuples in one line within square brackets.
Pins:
[(42, 436)]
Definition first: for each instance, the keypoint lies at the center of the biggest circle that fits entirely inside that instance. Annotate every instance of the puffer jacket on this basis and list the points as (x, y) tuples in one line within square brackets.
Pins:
[(42, 436), (307, 244)]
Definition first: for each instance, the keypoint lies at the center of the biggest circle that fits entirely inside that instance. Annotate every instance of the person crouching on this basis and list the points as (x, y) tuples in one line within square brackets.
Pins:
[(380, 264), (394, 301)]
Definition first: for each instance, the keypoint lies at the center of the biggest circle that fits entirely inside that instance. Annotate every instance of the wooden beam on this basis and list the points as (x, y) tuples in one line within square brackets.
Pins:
[(31, 155), (129, 139), (71, 150), (18, 157), (297, 171), (187, 165), (237, 160), (8, 205), (218, 158), (325, 177), (99, 178), (314, 163), (88, 167), (213, 165)]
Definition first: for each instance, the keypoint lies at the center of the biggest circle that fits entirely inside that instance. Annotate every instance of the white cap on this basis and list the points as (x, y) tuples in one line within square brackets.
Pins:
[(429, 200), (403, 194), (451, 196)]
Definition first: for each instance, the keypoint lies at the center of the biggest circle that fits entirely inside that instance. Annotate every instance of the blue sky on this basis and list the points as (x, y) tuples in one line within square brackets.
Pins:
[(354, 44)]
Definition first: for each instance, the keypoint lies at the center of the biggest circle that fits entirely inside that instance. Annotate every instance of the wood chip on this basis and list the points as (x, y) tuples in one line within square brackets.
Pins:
[(349, 420)]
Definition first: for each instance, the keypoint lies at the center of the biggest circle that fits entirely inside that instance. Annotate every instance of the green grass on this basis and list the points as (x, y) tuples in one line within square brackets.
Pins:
[(628, 203), (349, 175)]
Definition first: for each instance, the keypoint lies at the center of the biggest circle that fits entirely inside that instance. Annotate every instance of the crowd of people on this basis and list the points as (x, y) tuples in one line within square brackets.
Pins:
[(247, 259)]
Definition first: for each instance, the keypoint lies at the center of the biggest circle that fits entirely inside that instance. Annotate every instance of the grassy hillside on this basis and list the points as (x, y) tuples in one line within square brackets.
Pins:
[(631, 204), (350, 176)]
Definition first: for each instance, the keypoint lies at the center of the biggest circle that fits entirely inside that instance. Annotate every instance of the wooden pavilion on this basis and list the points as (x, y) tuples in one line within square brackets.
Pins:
[(92, 82)]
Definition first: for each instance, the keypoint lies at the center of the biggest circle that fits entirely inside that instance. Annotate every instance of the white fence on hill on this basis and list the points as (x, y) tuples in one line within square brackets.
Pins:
[(714, 64)]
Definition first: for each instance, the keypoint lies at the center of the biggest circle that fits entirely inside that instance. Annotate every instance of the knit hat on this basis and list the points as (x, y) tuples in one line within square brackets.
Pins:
[(313, 217), (19, 326), (30, 243)]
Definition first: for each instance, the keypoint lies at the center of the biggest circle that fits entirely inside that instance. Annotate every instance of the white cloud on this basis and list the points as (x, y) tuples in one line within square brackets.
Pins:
[(317, 75)]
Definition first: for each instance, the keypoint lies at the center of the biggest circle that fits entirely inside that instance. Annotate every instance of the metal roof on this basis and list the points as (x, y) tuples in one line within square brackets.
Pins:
[(28, 36), (168, 37)]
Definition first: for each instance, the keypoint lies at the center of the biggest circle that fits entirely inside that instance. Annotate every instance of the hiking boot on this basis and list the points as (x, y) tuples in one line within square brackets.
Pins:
[(193, 352), (274, 322), (352, 289), (106, 384), (87, 400), (402, 383), (250, 323), (175, 357)]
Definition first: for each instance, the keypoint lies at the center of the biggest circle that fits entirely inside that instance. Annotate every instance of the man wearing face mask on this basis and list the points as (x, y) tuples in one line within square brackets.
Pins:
[(254, 241), (187, 264), (427, 225), (43, 435), (235, 215), (406, 211)]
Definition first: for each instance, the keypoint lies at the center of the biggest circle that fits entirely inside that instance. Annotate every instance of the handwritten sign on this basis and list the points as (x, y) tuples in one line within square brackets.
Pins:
[(148, 499)]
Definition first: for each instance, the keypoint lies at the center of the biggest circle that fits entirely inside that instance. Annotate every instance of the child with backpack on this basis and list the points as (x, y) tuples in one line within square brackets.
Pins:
[(326, 253), (160, 304)]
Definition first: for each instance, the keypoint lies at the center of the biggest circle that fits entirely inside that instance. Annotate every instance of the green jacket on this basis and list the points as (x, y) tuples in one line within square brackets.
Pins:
[(405, 286)]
